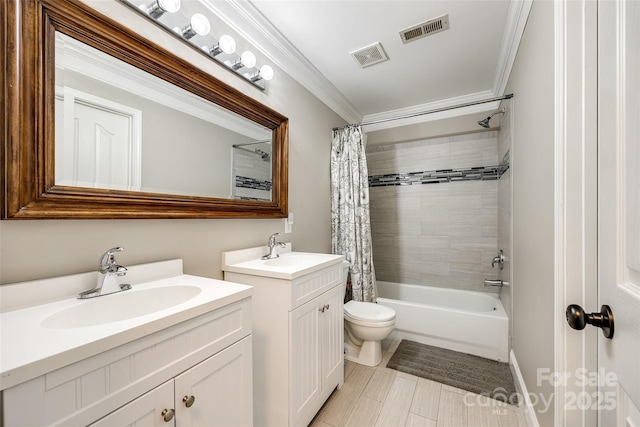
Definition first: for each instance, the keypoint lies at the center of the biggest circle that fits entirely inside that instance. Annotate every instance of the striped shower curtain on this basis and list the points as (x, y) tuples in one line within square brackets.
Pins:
[(350, 222)]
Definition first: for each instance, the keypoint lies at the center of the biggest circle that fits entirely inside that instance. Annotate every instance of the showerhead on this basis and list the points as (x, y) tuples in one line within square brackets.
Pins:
[(485, 123), (263, 154)]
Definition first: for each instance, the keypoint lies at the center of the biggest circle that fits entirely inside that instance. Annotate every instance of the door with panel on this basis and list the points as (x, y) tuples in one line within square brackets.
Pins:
[(619, 209), (217, 391), (331, 336)]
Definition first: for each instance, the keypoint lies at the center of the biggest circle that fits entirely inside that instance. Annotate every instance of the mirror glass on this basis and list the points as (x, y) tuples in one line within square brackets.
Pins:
[(118, 127)]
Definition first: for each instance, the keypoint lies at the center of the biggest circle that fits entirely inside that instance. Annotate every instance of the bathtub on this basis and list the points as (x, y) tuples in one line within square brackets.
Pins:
[(465, 321)]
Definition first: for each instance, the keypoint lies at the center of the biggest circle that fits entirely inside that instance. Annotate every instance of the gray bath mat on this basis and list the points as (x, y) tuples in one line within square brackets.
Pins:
[(472, 373)]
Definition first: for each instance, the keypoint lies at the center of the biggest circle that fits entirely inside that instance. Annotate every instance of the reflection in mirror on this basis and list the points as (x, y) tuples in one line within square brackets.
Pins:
[(252, 170), (118, 127)]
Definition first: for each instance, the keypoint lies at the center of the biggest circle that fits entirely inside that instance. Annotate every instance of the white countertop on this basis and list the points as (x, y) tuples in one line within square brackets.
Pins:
[(29, 349), (289, 265)]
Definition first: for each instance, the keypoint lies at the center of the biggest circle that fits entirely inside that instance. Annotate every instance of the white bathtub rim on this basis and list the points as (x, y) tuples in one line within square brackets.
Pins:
[(499, 312), (493, 297)]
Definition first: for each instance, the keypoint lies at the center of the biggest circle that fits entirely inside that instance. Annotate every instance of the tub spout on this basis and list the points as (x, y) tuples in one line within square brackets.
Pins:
[(495, 282)]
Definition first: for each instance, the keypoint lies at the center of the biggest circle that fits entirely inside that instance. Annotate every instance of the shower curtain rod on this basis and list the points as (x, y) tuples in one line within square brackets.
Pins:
[(437, 110), (266, 141)]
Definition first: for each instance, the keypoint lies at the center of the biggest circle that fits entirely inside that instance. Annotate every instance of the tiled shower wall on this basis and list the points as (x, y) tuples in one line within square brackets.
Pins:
[(437, 234)]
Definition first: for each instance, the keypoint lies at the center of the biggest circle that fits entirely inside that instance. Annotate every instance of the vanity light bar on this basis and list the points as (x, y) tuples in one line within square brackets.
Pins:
[(194, 31)]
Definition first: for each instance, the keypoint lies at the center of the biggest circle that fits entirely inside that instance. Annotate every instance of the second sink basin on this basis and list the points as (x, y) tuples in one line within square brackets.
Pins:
[(296, 259), (120, 306), (288, 266)]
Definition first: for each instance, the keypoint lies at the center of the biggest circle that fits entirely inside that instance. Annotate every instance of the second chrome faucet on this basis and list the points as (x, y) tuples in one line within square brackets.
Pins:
[(271, 245)]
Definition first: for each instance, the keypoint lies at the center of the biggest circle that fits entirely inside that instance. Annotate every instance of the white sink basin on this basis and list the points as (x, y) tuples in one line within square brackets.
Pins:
[(44, 337), (289, 265), (120, 306), (296, 259)]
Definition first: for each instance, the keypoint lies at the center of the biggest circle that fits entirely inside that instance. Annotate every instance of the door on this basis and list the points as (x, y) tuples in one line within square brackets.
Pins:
[(98, 142), (619, 209), (217, 391), (304, 359), (331, 336)]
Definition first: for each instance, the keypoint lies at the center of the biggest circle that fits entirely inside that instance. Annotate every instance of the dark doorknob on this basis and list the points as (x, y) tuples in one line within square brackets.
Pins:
[(578, 319)]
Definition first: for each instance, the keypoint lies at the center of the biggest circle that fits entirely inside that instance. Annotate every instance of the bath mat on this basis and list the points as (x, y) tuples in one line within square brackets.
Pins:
[(472, 373)]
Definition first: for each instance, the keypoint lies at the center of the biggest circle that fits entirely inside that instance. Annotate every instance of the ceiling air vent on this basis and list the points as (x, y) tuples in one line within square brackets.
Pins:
[(370, 55), (424, 29)]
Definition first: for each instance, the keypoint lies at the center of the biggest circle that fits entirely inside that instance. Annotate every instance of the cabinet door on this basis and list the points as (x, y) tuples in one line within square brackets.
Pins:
[(304, 357), (221, 388), (331, 337), (145, 411)]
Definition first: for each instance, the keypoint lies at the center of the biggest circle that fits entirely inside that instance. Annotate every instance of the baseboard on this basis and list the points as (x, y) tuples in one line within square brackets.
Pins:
[(521, 387)]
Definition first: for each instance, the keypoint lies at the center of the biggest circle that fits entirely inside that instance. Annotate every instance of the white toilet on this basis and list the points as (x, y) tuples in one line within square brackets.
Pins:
[(366, 324)]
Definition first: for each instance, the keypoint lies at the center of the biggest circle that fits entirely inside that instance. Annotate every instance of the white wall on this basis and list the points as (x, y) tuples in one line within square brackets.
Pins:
[(504, 211), (36, 249), (532, 172)]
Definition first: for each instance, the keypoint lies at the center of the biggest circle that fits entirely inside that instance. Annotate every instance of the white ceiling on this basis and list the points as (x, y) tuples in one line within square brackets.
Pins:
[(312, 39)]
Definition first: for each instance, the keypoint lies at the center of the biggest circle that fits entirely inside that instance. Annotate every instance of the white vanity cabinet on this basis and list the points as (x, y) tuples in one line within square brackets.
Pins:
[(220, 383), (149, 381), (298, 349)]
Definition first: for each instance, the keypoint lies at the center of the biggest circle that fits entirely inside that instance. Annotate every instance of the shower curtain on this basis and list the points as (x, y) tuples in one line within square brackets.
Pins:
[(350, 223)]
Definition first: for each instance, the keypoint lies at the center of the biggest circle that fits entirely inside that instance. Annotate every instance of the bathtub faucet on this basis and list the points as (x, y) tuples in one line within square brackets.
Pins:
[(498, 260), (495, 283)]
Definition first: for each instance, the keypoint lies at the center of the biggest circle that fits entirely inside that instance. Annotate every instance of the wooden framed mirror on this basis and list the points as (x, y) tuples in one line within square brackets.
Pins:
[(32, 188)]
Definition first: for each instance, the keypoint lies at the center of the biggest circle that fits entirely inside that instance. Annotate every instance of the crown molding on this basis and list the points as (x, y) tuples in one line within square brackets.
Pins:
[(516, 22), (244, 18)]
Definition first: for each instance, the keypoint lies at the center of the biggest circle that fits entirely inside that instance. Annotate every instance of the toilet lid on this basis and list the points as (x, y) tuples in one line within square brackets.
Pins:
[(369, 311)]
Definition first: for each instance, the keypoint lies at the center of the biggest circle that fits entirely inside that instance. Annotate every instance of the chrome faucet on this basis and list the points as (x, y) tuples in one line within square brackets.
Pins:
[(108, 271), (271, 244), (495, 283), (498, 260)]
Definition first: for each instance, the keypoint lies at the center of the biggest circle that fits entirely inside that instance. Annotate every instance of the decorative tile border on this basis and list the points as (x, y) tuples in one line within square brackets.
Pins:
[(256, 184), (482, 173)]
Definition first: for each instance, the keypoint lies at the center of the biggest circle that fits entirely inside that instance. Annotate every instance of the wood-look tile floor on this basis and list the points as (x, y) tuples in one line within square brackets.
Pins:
[(384, 397)]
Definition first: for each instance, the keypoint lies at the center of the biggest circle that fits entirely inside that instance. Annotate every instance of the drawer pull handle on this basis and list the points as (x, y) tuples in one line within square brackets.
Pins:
[(326, 306), (188, 401), (167, 415), (321, 310)]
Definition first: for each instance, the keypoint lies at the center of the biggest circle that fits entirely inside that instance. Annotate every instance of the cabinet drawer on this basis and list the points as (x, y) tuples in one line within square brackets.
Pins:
[(305, 288)]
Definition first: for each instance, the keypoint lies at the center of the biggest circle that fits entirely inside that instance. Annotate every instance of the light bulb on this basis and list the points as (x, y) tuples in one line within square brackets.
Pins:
[(171, 6), (199, 24), (248, 59), (157, 8), (226, 44), (266, 72)]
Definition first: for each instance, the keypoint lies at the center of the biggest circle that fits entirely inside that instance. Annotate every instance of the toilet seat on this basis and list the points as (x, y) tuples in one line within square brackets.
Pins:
[(369, 314)]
